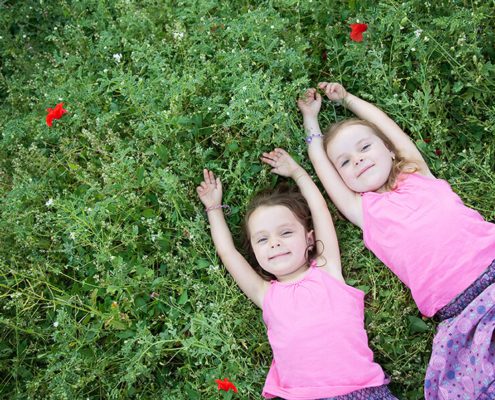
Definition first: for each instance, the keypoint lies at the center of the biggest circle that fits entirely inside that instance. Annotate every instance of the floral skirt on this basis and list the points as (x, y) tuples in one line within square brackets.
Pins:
[(369, 393), (462, 363)]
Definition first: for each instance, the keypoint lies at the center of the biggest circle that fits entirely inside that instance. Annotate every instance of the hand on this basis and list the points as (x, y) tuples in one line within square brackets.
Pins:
[(310, 103), (210, 190), (334, 91), (283, 164)]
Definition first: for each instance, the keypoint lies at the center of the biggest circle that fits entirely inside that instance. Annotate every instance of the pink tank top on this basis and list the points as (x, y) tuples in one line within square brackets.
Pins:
[(316, 330), (424, 233)]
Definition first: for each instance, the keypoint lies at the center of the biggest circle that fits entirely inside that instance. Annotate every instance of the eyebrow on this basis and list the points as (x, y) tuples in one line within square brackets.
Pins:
[(357, 144), (283, 226)]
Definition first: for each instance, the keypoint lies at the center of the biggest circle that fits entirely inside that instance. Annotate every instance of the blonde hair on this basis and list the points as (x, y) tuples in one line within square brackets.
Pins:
[(399, 163)]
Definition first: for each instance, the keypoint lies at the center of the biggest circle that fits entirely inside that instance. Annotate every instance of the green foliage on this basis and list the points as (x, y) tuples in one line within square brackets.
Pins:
[(109, 283)]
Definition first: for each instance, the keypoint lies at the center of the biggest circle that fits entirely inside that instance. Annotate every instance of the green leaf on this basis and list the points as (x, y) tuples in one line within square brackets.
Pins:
[(417, 325), (148, 213), (183, 298)]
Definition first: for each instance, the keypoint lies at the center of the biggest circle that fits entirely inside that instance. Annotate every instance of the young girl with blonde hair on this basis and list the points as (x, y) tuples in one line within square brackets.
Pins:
[(419, 228), (314, 321)]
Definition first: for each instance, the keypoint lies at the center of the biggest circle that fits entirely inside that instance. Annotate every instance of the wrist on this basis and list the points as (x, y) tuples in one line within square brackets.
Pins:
[(316, 135), (219, 207), (346, 100), (310, 118), (299, 174)]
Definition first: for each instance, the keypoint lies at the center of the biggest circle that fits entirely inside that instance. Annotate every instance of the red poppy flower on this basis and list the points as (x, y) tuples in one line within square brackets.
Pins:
[(324, 55), (438, 152), (427, 140), (225, 385), (54, 113), (357, 31)]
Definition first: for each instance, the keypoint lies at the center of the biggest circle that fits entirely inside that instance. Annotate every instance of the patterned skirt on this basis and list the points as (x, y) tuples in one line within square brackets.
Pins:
[(369, 393), (462, 363)]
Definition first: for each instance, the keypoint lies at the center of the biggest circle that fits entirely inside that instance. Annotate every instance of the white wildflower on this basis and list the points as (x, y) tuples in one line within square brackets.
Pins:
[(117, 57), (55, 324), (178, 35), (72, 235), (49, 203), (418, 33)]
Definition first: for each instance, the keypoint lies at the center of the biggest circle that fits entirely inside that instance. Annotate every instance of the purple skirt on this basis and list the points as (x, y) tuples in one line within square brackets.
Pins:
[(369, 393), (462, 363)]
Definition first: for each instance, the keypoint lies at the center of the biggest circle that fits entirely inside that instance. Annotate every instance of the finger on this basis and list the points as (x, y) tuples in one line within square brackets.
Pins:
[(206, 175), (273, 154), (212, 178), (269, 161), (318, 96), (219, 183), (322, 85), (334, 87), (280, 152)]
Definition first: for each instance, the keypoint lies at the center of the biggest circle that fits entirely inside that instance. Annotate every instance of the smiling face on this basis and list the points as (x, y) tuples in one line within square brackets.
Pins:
[(279, 241), (361, 158)]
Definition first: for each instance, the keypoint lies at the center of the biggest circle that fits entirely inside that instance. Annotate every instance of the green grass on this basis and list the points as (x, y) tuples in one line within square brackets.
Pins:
[(201, 84)]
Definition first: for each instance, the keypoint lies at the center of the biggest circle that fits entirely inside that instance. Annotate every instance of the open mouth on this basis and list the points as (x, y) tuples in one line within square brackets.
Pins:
[(365, 169)]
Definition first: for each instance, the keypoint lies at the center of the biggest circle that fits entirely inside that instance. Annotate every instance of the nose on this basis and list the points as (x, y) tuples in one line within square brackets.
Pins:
[(358, 160), (274, 243)]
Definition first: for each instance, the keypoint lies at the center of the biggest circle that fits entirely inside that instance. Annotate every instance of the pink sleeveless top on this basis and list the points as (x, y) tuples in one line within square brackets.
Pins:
[(424, 233), (316, 330)]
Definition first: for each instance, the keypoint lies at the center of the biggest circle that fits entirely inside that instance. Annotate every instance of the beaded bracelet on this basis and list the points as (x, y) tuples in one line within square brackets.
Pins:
[(309, 139), (227, 208)]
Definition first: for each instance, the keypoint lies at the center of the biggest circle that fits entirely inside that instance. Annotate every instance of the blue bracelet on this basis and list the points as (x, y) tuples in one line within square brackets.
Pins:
[(309, 139)]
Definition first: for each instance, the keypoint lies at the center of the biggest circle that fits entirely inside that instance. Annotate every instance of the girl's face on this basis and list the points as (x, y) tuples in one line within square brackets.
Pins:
[(361, 158), (279, 241)]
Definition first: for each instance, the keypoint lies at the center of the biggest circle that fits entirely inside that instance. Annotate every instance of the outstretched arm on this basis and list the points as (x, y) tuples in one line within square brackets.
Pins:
[(210, 194), (371, 113), (346, 200), (326, 238)]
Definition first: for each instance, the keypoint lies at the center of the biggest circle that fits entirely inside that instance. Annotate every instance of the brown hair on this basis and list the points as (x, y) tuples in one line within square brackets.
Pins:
[(281, 195), (399, 163)]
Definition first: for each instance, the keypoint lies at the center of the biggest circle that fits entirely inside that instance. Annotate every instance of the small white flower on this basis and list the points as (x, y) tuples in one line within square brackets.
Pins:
[(49, 203), (426, 38), (117, 57), (55, 324), (413, 49), (72, 235), (418, 33), (178, 35)]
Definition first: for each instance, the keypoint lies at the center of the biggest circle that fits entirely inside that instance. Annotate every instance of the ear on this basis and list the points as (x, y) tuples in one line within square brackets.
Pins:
[(310, 238)]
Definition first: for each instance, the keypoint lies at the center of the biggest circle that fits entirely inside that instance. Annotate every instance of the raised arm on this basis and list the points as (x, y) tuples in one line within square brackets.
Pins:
[(346, 200), (371, 113), (210, 194), (326, 238)]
